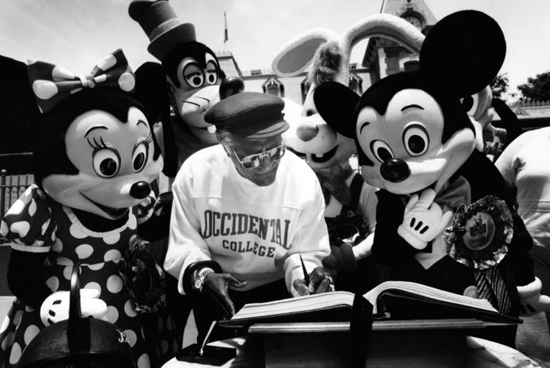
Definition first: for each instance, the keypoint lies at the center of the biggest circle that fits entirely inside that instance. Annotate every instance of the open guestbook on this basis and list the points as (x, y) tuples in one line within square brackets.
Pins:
[(389, 300)]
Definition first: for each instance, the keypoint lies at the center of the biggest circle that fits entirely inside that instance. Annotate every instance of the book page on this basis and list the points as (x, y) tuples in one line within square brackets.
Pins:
[(296, 305), (427, 292)]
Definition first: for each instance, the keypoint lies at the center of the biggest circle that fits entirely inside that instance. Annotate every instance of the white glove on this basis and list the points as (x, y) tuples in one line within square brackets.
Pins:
[(531, 301), (56, 306), (423, 220)]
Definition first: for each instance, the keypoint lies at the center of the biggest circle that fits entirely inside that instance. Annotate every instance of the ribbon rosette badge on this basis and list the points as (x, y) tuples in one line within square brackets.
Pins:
[(481, 233)]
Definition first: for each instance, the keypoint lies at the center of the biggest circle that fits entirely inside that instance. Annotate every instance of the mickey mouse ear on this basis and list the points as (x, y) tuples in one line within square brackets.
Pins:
[(465, 51), (336, 105)]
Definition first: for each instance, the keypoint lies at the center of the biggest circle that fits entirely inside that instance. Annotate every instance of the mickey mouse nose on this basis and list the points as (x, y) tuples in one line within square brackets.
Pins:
[(231, 86), (395, 170), (140, 190)]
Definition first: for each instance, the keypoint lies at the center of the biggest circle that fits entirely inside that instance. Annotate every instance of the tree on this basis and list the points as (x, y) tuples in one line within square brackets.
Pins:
[(537, 88), (18, 110), (499, 86)]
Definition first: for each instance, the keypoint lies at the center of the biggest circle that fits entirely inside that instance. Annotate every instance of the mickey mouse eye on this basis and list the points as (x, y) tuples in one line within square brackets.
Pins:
[(211, 73), (381, 151), (106, 163), (416, 140), (193, 75), (470, 104), (140, 157)]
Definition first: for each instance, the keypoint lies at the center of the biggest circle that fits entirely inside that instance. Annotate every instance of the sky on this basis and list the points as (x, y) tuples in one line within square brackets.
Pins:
[(78, 33)]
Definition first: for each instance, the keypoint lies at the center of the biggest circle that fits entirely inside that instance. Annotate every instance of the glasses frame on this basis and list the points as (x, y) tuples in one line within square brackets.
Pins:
[(269, 153)]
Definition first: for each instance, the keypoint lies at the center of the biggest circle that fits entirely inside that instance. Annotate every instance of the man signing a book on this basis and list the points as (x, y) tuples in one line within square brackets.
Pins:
[(247, 219)]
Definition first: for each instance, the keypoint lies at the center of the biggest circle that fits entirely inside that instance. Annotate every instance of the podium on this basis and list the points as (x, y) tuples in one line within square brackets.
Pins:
[(410, 343), (392, 345)]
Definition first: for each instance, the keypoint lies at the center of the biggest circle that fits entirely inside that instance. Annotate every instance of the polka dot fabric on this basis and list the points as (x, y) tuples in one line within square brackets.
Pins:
[(36, 223)]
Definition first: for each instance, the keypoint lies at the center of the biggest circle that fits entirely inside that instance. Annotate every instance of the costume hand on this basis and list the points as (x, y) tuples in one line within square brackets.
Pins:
[(531, 301), (56, 306), (423, 220), (215, 286), (320, 281)]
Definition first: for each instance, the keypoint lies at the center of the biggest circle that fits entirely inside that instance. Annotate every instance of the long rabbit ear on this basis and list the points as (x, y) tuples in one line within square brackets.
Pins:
[(463, 52), (386, 26), (295, 56)]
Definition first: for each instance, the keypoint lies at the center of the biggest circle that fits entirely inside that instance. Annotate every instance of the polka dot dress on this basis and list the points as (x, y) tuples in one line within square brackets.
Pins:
[(36, 223)]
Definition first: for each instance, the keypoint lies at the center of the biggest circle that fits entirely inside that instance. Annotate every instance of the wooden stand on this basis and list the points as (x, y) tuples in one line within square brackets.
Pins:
[(410, 343)]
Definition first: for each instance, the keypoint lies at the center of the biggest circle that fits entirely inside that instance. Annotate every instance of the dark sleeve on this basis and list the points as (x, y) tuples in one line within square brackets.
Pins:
[(388, 247), (158, 226), (25, 277)]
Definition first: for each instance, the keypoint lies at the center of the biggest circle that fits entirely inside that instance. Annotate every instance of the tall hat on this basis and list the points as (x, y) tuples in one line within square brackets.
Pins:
[(161, 24)]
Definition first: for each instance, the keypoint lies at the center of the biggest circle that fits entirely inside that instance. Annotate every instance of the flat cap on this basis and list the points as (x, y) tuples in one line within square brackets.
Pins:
[(249, 115)]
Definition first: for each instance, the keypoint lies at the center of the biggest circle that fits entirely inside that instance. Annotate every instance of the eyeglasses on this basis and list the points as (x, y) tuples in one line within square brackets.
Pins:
[(253, 161)]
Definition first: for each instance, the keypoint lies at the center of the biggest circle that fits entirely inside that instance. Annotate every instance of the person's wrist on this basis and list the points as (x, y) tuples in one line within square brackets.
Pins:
[(200, 276), (195, 274)]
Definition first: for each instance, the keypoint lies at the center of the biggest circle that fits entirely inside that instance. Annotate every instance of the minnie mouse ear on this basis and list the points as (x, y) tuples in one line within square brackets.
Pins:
[(336, 105), (465, 51)]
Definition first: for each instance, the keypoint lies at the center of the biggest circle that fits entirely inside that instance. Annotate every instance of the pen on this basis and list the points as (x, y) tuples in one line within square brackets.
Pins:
[(201, 351), (306, 275)]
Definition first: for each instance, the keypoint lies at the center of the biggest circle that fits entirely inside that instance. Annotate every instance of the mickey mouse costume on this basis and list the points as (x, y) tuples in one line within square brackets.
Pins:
[(416, 141)]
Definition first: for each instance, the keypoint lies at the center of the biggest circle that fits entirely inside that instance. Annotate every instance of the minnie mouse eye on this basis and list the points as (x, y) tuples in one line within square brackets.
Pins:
[(140, 157), (381, 151), (416, 140), (106, 163)]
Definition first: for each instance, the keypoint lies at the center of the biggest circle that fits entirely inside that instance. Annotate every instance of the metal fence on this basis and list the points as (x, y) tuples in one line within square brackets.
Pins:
[(11, 188)]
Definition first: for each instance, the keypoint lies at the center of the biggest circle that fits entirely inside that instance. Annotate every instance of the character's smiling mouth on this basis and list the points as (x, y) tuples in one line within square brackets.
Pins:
[(325, 156), (115, 213)]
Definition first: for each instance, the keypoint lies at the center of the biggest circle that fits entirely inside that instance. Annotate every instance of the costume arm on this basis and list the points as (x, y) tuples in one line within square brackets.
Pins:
[(368, 202), (310, 240), (185, 243), (29, 227), (389, 248)]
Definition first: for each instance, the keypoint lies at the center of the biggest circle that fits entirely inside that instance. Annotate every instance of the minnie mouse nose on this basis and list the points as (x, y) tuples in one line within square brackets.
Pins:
[(231, 86), (140, 190), (395, 170)]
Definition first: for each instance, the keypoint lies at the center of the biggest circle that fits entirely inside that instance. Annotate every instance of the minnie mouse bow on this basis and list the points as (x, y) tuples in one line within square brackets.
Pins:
[(51, 84)]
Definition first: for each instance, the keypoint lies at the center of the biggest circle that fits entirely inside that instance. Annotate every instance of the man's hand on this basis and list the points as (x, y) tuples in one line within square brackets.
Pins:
[(423, 220), (215, 286), (320, 282)]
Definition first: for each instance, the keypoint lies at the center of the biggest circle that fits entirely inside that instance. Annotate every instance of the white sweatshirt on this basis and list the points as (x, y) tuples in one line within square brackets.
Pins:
[(525, 164), (255, 233)]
